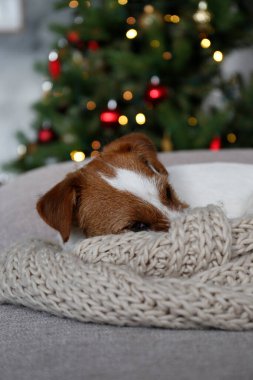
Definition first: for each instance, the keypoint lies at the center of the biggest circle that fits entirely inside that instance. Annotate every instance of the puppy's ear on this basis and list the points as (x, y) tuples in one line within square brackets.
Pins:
[(140, 144), (133, 142), (57, 205)]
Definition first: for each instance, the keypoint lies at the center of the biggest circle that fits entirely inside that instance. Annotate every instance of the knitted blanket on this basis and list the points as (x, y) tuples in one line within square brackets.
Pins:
[(197, 275)]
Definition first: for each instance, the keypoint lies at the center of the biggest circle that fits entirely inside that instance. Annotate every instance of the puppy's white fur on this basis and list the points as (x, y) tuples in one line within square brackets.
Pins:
[(227, 185), (143, 187)]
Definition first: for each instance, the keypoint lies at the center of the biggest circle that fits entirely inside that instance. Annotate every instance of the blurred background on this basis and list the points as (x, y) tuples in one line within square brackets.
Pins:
[(179, 71)]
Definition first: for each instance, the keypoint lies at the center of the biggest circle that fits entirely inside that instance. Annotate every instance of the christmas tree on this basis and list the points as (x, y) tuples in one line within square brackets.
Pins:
[(124, 66)]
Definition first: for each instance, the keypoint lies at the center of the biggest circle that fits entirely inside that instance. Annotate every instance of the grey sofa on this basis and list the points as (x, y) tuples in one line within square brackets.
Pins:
[(36, 345)]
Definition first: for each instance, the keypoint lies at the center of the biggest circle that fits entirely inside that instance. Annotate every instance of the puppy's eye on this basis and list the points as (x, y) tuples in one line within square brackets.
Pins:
[(139, 226)]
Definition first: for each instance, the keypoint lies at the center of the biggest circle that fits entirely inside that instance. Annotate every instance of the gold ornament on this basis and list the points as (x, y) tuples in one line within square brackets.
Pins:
[(31, 148), (166, 144), (77, 58)]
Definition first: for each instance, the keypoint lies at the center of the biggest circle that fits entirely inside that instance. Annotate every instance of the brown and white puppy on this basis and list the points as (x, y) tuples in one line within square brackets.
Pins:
[(126, 188)]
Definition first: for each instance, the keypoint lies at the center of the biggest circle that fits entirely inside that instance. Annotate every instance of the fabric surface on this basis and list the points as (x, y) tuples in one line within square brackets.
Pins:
[(140, 278), (37, 345)]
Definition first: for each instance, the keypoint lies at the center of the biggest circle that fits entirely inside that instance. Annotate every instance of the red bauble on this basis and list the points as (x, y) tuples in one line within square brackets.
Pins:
[(93, 45), (215, 144), (46, 135), (74, 38), (109, 118), (54, 65), (156, 93)]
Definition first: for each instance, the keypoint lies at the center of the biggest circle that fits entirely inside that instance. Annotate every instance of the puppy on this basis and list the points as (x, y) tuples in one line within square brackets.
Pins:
[(126, 188)]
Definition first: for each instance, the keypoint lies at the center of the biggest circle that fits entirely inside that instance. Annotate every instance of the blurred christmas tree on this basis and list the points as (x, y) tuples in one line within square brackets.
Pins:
[(125, 65)]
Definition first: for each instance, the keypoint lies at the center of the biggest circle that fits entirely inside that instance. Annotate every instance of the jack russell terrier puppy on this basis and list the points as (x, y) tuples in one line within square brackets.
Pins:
[(126, 188)]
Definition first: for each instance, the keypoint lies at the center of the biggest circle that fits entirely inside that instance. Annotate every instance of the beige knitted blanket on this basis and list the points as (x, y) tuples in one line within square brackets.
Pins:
[(198, 275)]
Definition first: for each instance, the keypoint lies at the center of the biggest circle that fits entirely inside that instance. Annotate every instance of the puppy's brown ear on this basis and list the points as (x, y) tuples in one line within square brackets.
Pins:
[(140, 144), (56, 206)]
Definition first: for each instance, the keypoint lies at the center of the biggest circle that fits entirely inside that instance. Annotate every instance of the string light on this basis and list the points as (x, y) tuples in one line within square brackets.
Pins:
[(21, 150), (149, 9), (203, 5), (140, 118), (231, 137), (131, 34), (47, 86), (112, 104), (167, 55), (91, 105), (218, 56), (96, 144), (202, 15), (77, 156), (123, 120), (175, 19), (205, 43), (192, 121), (131, 20), (122, 2), (155, 80), (154, 43), (73, 4), (167, 18), (127, 95), (53, 56)]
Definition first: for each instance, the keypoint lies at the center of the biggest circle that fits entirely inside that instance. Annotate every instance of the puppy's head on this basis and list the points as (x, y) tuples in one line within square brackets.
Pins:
[(126, 188)]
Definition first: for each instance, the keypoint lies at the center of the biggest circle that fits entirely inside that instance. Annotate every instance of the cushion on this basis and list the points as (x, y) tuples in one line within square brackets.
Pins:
[(37, 345)]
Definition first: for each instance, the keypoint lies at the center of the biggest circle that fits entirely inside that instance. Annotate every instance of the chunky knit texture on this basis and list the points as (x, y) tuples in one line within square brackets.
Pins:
[(199, 274)]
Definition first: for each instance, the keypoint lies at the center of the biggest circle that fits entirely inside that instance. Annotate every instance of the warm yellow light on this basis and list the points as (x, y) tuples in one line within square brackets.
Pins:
[(172, 18), (205, 43), (94, 154), (131, 20), (131, 33), (155, 43), (122, 2), (167, 55), (96, 144), (77, 156), (218, 56), (175, 19), (192, 121), (123, 120), (21, 150), (149, 9), (231, 137), (73, 4), (91, 105), (167, 18), (140, 118), (127, 95)]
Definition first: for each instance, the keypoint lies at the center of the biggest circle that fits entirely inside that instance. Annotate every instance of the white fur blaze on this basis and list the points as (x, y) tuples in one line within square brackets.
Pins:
[(144, 188)]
